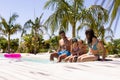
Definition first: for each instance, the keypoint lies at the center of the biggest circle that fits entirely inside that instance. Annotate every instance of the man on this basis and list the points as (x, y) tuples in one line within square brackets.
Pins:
[(64, 48)]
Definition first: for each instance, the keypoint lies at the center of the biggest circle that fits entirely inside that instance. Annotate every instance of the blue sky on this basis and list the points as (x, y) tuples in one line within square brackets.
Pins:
[(29, 9)]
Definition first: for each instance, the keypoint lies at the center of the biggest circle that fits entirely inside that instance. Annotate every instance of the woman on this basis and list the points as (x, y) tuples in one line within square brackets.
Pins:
[(95, 47)]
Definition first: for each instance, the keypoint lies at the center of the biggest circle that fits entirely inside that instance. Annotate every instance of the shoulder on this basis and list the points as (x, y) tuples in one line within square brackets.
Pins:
[(94, 39), (100, 43), (69, 38), (60, 40)]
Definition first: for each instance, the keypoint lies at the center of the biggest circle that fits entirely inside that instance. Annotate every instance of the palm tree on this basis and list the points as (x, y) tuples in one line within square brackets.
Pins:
[(9, 28), (95, 17), (27, 44), (65, 12), (36, 28), (114, 10)]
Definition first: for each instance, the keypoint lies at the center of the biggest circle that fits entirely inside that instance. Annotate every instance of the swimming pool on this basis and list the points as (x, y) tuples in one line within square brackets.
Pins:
[(32, 59), (36, 60)]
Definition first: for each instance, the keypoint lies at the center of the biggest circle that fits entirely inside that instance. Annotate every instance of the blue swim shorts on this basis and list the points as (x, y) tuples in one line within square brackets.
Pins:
[(64, 52)]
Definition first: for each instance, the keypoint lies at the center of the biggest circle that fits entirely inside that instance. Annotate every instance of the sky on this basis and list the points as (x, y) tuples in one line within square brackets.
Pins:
[(29, 9)]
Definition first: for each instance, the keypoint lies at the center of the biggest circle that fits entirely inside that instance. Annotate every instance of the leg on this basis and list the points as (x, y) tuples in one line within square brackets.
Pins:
[(53, 55), (67, 58), (63, 56), (79, 58), (89, 58), (71, 59), (74, 59)]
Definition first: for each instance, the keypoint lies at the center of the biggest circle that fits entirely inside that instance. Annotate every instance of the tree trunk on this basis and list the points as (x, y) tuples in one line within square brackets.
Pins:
[(74, 20), (8, 42), (35, 43), (74, 30)]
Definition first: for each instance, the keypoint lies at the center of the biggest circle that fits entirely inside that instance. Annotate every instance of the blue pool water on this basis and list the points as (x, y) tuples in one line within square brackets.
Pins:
[(37, 60)]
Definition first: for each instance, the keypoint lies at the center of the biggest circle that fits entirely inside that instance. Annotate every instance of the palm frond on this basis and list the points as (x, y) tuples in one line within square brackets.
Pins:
[(0, 26), (52, 22), (65, 12), (115, 10), (23, 32), (110, 6), (83, 25), (28, 24), (51, 4), (13, 18), (40, 18), (110, 31), (4, 24), (103, 2), (16, 28), (109, 38)]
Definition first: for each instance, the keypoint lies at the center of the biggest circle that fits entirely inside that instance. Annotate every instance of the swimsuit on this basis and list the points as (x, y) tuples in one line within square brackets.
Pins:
[(94, 47), (75, 50), (64, 52)]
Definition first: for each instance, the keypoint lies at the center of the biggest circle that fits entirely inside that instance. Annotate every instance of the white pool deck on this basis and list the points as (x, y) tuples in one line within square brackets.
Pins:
[(25, 70)]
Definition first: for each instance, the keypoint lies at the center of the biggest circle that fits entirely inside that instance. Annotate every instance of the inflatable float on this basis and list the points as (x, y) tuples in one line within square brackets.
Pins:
[(12, 55)]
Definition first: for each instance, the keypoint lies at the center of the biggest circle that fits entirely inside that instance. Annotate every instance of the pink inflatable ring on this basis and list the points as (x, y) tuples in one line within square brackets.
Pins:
[(12, 55)]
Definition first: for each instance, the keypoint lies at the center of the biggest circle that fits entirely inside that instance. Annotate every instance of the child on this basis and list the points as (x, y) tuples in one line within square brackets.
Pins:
[(75, 51)]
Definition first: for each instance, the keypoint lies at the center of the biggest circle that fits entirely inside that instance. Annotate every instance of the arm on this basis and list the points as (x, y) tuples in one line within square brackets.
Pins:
[(71, 50), (93, 51), (84, 48), (58, 48), (102, 48)]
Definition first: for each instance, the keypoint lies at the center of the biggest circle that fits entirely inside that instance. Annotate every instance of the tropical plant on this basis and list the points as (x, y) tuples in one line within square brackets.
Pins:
[(27, 43), (114, 10), (47, 44), (9, 28), (113, 47), (95, 17), (36, 29), (65, 12), (54, 41), (3, 44), (14, 44)]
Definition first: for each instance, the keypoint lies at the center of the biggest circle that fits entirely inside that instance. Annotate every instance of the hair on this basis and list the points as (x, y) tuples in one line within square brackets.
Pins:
[(82, 41), (74, 40), (91, 34), (61, 31)]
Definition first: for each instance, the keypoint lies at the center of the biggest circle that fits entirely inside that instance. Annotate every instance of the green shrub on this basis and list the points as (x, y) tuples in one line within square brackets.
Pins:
[(43, 50)]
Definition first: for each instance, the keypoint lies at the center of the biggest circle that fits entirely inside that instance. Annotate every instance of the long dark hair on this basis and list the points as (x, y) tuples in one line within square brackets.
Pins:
[(89, 35)]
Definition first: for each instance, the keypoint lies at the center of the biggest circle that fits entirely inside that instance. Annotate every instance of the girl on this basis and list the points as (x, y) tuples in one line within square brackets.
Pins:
[(75, 51), (95, 46)]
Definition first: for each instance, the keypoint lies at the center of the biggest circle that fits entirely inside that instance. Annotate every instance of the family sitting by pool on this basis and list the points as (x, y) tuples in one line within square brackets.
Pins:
[(73, 50)]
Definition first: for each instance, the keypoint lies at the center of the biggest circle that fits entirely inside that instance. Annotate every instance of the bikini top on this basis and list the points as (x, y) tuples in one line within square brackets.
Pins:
[(75, 49), (94, 46)]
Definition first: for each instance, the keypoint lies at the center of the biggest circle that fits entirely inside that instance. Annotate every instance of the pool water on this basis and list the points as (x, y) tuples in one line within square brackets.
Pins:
[(37, 60)]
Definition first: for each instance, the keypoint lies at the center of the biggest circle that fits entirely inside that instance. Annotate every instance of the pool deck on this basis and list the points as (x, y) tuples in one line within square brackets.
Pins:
[(25, 70)]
